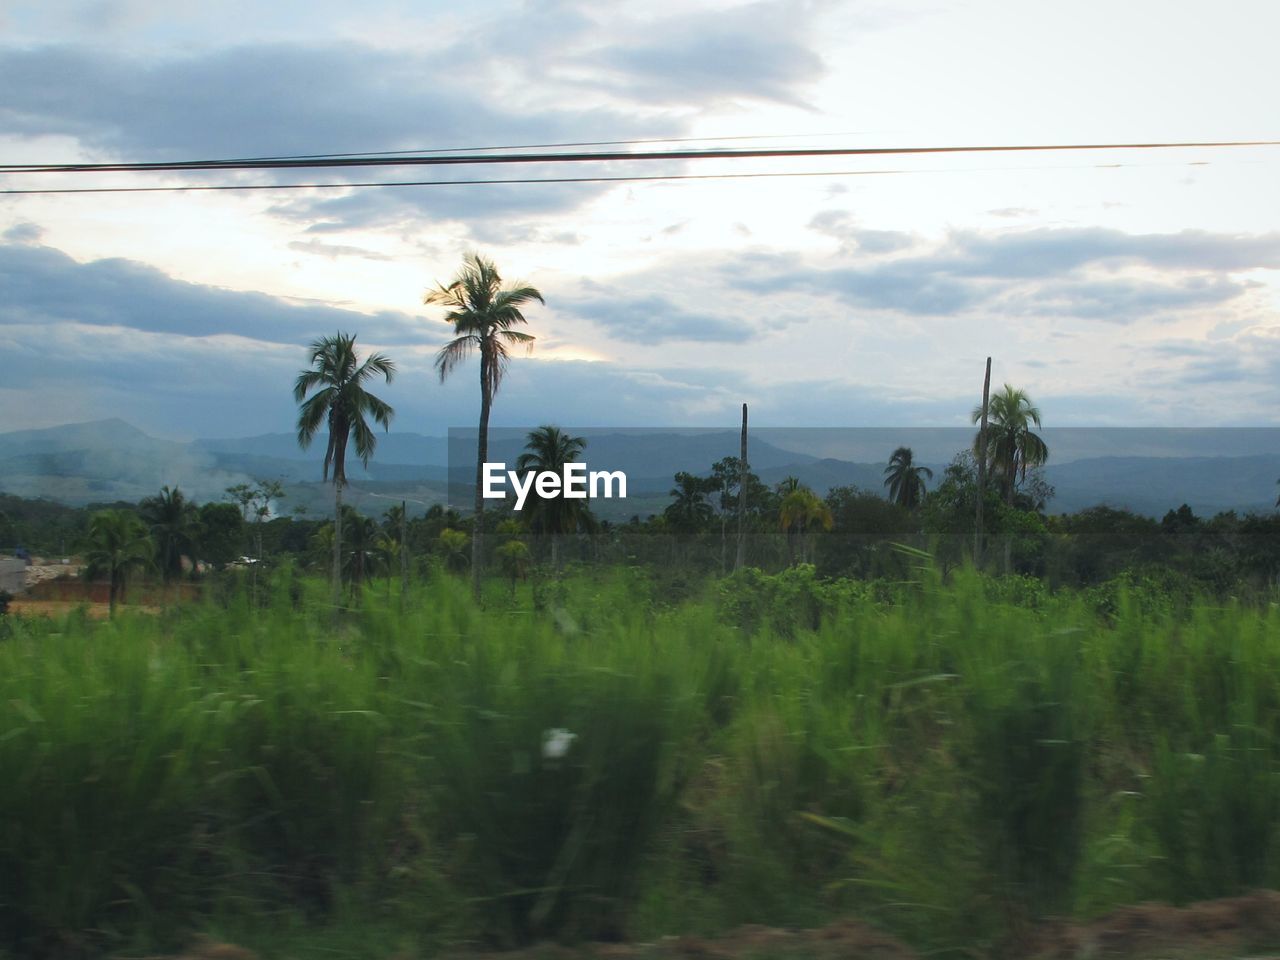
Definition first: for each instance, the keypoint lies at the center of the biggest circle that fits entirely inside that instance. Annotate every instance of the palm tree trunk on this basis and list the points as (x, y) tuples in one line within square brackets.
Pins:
[(1008, 537), (482, 453), (337, 543)]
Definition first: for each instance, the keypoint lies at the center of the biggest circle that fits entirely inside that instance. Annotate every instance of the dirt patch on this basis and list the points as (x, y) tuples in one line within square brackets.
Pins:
[(1214, 928), (57, 609), (844, 940)]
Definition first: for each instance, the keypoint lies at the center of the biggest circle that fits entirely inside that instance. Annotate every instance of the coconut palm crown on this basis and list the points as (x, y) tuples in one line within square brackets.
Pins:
[(906, 481), (341, 400), (1012, 447)]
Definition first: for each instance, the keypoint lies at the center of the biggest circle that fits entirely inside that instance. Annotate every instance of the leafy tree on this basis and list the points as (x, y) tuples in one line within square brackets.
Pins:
[(865, 524), (801, 513), (340, 399), (175, 529), (549, 448), (117, 545), (484, 315), (906, 481), (1012, 446), (221, 528)]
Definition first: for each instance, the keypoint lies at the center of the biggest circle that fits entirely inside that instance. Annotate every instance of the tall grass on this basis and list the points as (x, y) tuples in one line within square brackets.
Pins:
[(591, 759)]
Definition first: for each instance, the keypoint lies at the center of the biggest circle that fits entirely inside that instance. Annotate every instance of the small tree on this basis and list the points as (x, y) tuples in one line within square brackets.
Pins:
[(513, 557), (117, 546)]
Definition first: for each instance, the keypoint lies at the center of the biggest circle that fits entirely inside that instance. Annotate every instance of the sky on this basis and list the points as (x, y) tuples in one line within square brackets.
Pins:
[(1118, 288)]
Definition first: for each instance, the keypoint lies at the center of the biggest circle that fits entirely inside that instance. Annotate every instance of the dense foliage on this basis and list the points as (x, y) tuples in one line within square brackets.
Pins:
[(587, 757)]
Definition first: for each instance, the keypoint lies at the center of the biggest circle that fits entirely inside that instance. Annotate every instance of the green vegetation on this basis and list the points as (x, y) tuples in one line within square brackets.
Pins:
[(585, 758)]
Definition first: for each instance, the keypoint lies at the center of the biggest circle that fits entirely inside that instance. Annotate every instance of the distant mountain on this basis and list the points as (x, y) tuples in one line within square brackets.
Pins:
[(110, 459), (1155, 485), (402, 448)]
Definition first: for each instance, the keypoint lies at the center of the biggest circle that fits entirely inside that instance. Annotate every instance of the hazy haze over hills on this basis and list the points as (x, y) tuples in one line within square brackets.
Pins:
[(1147, 470)]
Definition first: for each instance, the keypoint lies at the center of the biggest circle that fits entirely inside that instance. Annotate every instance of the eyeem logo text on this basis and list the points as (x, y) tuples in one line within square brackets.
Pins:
[(573, 483)]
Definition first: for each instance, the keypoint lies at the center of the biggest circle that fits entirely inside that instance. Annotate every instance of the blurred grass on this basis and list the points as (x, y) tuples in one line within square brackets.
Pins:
[(951, 762)]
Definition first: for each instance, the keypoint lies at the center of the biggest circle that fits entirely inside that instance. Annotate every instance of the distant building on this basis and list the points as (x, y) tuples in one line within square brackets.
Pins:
[(13, 575)]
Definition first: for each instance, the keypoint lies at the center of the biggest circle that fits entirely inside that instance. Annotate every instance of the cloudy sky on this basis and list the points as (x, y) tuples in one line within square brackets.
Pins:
[(1118, 288)]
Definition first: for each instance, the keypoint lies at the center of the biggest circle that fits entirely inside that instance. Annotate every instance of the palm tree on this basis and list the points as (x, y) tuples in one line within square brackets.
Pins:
[(117, 545), (362, 549), (514, 558), (453, 549), (174, 529), (549, 449), (690, 511), (905, 480), (484, 315), (801, 512), (1012, 447), (338, 378)]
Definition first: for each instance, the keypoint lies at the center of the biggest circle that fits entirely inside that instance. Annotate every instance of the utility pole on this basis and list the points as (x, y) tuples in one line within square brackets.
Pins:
[(982, 466), (740, 559)]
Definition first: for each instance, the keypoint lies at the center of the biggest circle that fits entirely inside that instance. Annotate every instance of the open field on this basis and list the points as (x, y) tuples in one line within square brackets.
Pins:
[(616, 756)]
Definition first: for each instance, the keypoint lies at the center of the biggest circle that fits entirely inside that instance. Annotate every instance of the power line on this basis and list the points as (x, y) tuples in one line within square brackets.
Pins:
[(600, 157), (343, 184), (544, 146), (451, 183)]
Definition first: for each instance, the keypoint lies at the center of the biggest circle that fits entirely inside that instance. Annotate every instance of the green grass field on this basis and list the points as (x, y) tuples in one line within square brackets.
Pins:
[(948, 761)]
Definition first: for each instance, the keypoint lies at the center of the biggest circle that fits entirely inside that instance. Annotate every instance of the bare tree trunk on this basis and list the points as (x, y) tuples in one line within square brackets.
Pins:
[(482, 453), (337, 543), (740, 559), (982, 466)]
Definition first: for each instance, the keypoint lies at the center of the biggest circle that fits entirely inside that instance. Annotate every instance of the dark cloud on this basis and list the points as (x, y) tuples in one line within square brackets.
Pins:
[(1072, 272), (652, 319), (758, 51), (25, 232), (1048, 252), (1123, 301), (841, 225), (269, 100), (43, 285), (265, 100)]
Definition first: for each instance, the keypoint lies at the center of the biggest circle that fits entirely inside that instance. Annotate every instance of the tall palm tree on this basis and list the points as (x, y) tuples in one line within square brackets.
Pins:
[(342, 401), (549, 448), (484, 315), (175, 529), (1012, 447), (117, 545), (905, 480)]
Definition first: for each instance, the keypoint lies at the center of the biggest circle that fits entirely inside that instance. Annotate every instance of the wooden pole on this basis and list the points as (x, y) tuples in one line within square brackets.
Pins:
[(740, 559), (982, 466)]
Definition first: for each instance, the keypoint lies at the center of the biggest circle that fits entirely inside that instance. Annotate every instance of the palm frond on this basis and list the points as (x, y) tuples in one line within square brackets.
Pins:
[(453, 353)]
